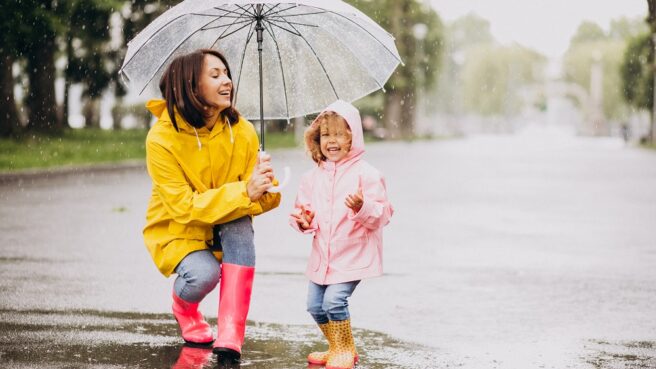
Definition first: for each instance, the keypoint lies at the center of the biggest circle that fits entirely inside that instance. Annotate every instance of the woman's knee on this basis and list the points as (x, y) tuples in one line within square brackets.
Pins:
[(200, 269)]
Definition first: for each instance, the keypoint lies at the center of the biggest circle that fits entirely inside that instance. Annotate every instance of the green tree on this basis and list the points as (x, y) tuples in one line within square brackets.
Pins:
[(38, 47), (591, 43), (493, 78), (135, 16), (12, 31), (588, 32), (88, 53), (578, 63), (419, 38), (637, 76), (461, 35)]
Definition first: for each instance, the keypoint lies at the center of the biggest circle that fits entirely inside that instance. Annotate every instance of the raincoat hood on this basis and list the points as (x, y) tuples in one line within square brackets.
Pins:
[(158, 108), (352, 116)]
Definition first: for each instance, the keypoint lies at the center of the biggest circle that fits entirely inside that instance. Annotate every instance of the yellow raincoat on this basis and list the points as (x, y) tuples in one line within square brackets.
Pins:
[(199, 179)]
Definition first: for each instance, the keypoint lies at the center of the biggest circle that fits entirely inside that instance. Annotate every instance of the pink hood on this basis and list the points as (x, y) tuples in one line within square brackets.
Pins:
[(352, 116)]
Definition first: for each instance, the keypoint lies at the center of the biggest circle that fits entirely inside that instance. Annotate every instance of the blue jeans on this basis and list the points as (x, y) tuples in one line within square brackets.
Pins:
[(199, 272), (329, 302)]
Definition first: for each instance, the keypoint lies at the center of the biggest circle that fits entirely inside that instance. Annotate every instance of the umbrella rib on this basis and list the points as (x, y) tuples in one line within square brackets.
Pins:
[(318, 60), (367, 31), (271, 8), (282, 70), (234, 12), (285, 29), (227, 25), (296, 15), (241, 64), (159, 29), (269, 14), (288, 22), (223, 34), (169, 55)]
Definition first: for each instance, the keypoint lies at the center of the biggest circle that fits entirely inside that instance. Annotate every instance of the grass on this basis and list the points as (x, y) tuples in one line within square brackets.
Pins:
[(89, 146)]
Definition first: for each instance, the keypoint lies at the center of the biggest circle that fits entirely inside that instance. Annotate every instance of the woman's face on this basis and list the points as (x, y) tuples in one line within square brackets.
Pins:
[(335, 139), (215, 86)]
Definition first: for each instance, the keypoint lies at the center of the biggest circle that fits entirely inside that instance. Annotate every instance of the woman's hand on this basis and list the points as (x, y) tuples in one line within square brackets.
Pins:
[(303, 218), (262, 178)]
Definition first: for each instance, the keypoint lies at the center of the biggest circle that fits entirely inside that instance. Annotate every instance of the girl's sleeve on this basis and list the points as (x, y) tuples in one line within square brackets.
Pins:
[(187, 206), (376, 210), (303, 198)]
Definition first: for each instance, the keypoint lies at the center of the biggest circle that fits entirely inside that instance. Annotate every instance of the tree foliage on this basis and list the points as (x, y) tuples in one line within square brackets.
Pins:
[(419, 38), (493, 78), (591, 44), (637, 76)]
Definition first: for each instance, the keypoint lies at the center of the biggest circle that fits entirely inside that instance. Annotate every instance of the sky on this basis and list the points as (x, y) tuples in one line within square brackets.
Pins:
[(543, 25)]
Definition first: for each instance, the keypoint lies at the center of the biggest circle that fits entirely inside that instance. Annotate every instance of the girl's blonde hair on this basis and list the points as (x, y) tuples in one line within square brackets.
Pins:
[(313, 134)]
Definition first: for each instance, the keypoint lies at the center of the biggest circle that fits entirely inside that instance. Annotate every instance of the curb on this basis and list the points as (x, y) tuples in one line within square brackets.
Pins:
[(40, 173)]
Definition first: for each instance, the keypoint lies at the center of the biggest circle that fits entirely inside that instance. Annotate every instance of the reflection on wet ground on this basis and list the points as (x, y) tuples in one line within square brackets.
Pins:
[(93, 339), (622, 355)]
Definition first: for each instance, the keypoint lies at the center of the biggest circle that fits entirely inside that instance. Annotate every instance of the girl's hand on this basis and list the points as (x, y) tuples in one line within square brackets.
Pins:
[(303, 218), (355, 201), (261, 179)]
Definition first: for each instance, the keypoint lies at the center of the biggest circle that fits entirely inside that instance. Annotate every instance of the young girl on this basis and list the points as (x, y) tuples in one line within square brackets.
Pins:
[(343, 202)]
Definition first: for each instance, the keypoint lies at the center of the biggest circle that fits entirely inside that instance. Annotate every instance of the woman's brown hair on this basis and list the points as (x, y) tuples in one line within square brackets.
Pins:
[(313, 134), (179, 87)]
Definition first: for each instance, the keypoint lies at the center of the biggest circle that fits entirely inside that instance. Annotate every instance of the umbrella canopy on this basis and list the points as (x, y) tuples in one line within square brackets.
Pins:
[(313, 52)]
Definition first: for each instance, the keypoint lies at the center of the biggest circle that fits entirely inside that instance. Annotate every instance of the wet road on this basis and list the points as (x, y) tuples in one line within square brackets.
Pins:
[(536, 250)]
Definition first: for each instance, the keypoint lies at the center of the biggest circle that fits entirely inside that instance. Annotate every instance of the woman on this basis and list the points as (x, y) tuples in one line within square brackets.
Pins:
[(203, 162)]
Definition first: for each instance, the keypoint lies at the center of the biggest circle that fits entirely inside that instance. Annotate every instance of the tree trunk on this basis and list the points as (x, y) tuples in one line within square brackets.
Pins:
[(392, 114), (117, 113), (91, 113), (409, 116), (651, 20), (400, 113), (9, 120), (67, 80), (40, 99)]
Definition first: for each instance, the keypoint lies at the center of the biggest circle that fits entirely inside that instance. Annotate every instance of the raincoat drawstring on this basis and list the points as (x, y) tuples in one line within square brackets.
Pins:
[(197, 139), (232, 140)]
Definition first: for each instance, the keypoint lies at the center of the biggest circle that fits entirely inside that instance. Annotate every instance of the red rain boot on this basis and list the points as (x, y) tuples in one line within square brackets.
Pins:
[(234, 301), (195, 329), (192, 358)]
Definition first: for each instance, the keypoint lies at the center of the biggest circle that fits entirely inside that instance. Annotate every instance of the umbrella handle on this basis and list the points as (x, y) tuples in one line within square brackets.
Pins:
[(283, 183)]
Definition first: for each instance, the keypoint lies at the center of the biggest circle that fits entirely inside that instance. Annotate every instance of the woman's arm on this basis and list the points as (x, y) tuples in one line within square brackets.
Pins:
[(184, 204)]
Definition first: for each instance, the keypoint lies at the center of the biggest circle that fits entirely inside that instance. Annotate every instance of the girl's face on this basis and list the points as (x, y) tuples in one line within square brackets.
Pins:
[(335, 139), (215, 86)]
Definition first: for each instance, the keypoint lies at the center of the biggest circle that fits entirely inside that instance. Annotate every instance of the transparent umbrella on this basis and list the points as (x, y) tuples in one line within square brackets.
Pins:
[(288, 58), (312, 52)]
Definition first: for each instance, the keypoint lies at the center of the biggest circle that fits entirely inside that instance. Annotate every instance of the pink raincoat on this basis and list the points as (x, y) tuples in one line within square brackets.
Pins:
[(346, 246)]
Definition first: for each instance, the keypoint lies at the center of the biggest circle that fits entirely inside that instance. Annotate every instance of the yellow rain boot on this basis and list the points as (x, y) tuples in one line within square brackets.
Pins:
[(321, 357), (342, 352)]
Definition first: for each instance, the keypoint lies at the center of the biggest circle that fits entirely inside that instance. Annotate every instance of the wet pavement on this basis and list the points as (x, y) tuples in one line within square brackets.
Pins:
[(536, 250)]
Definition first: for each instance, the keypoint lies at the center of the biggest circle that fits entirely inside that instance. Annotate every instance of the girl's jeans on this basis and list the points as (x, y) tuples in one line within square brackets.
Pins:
[(329, 302), (199, 272)]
